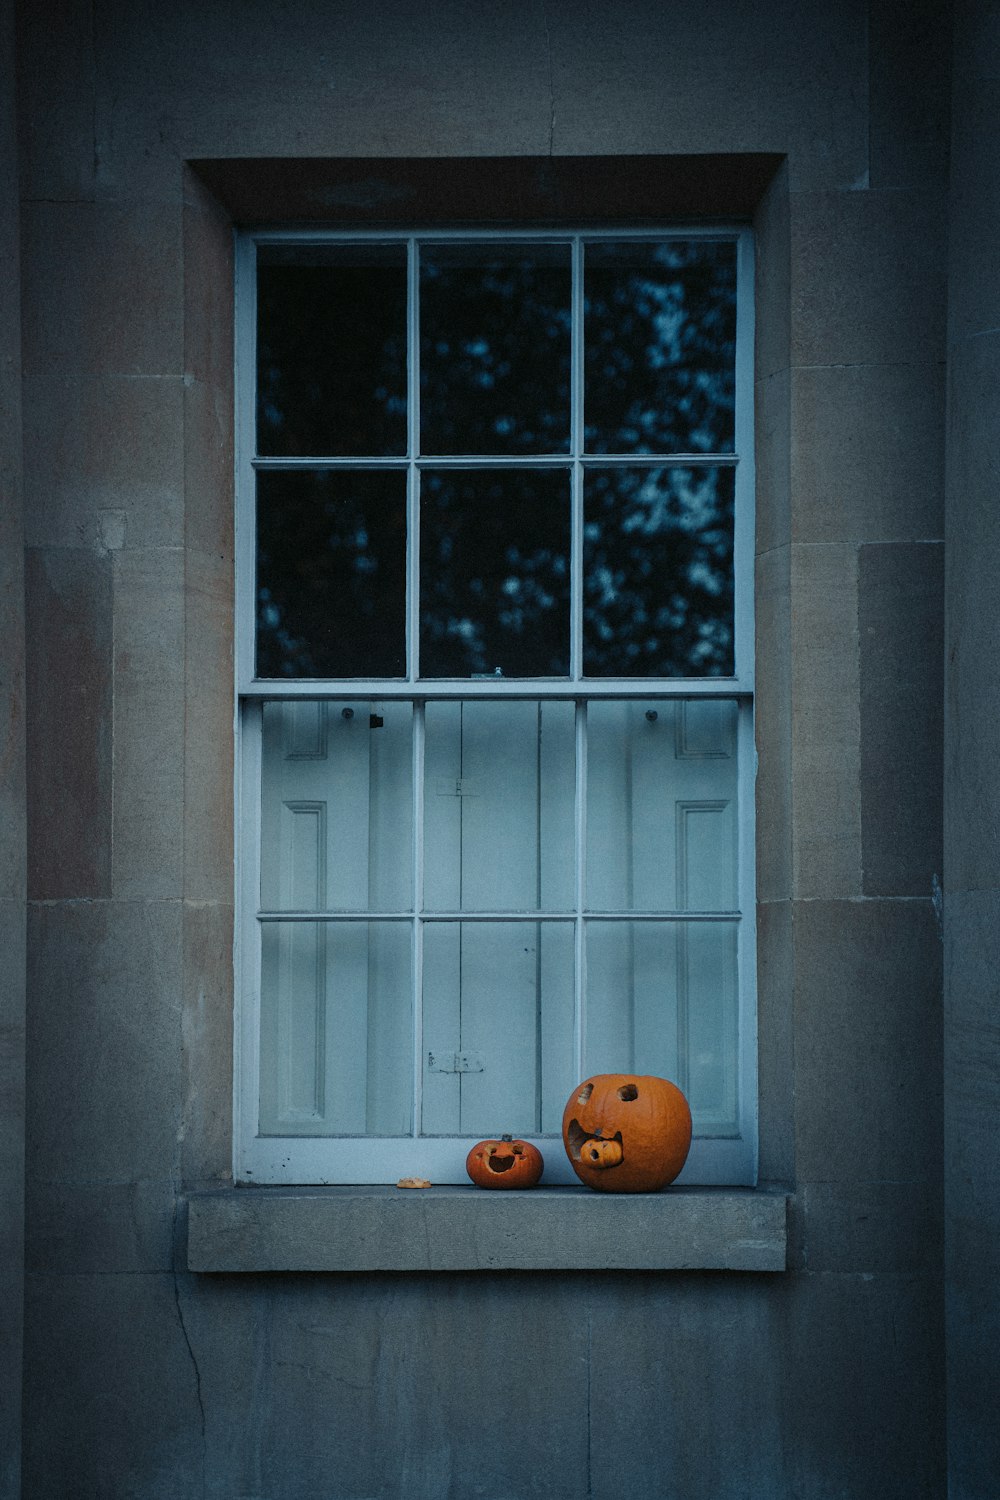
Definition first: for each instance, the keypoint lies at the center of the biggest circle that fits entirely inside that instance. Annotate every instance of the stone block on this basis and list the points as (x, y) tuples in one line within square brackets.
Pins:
[(909, 92), (13, 812), (862, 1397), (208, 470), (104, 1040), (972, 1149), (973, 1341), (868, 277), (390, 1388), (463, 1229), (12, 1111), (112, 1400), (207, 1031), (12, 980), (972, 1082), (772, 452), (775, 1041), (69, 634), (974, 282), (208, 288), (867, 446), (148, 724), (867, 1042), (56, 100), (188, 83), (826, 729), (99, 1228), (972, 680), (976, 43), (772, 277), (870, 1227), (648, 78), (103, 290), (685, 1387), (208, 709), (901, 620), (773, 726), (100, 448)]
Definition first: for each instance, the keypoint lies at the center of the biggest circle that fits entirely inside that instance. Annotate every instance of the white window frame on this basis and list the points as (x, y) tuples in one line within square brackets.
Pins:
[(342, 1160)]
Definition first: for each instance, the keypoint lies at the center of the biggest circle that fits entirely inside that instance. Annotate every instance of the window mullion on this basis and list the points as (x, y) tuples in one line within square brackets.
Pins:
[(576, 451), (580, 880), (412, 449), (417, 886)]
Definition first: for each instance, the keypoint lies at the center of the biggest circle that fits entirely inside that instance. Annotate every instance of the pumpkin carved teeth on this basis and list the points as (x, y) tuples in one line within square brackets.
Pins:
[(504, 1163)]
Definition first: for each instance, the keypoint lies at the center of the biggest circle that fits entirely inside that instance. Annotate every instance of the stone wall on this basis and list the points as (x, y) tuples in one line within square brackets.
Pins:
[(146, 1381), (972, 764), (12, 807)]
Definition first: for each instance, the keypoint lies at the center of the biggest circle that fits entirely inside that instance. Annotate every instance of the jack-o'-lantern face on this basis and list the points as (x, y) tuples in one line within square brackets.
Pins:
[(626, 1134), (505, 1163)]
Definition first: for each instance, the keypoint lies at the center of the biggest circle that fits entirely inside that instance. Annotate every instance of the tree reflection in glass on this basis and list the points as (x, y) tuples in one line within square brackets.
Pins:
[(494, 348), (658, 573), (494, 567), (331, 574), (659, 346)]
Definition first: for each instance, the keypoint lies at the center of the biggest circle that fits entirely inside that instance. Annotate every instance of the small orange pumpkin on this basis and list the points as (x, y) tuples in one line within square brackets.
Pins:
[(625, 1133), (505, 1163)]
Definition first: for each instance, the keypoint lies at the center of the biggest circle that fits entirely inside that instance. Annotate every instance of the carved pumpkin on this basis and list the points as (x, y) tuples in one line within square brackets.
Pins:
[(505, 1163), (627, 1134)]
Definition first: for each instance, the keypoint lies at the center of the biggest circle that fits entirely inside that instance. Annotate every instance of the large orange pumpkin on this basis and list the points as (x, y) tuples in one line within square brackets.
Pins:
[(505, 1163), (627, 1133)]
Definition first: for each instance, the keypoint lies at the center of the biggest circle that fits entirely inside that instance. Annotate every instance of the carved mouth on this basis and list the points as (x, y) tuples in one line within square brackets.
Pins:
[(500, 1163), (594, 1150)]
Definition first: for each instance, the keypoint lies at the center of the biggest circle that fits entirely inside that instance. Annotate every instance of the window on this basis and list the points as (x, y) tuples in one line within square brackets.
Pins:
[(495, 675)]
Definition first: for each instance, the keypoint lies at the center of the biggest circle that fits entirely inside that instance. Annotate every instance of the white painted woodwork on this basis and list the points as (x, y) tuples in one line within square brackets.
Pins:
[(541, 886), (335, 997)]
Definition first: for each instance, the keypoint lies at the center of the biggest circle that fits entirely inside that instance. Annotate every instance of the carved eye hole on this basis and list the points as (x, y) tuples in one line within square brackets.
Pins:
[(585, 1093), (628, 1092)]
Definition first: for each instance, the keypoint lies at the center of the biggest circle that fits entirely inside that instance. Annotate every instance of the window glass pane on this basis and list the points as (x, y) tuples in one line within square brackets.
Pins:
[(661, 806), (336, 815), (659, 347), (331, 350), (658, 573), (661, 999), (498, 1027), (331, 574), (498, 806), (494, 348), (336, 1028), (494, 560)]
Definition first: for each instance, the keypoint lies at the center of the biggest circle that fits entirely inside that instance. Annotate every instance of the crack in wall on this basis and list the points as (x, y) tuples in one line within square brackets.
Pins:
[(194, 1363)]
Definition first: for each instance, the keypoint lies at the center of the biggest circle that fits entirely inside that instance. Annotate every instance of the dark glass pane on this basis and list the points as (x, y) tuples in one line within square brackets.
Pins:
[(494, 560), (494, 348), (658, 573), (331, 350), (659, 347), (331, 574)]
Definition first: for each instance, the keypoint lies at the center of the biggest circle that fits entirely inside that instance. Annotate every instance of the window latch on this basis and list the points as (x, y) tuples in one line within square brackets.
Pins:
[(455, 1062)]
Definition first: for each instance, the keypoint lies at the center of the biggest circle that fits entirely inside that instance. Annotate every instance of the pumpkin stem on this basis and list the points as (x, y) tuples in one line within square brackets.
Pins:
[(506, 1137)]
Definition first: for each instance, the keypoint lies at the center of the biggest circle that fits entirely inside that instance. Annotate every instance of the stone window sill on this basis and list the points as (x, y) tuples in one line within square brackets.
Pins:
[(466, 1229)]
